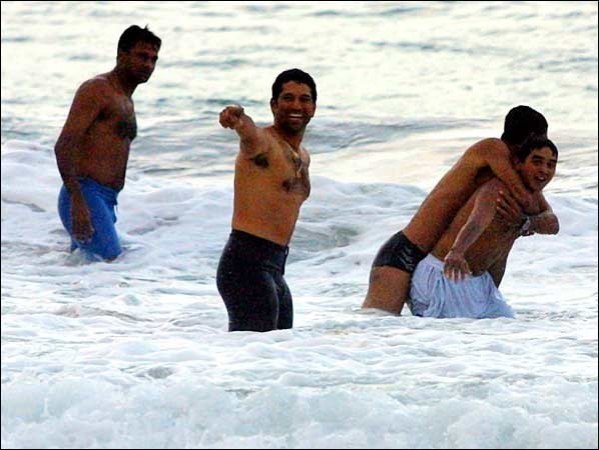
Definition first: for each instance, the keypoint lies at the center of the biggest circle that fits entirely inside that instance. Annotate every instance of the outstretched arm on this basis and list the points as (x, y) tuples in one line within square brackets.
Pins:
[(250, 136), (456, 267)]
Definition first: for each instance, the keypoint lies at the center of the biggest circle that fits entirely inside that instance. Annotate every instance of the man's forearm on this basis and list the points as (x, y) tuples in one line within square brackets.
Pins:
[(246, 130), (467, 236)]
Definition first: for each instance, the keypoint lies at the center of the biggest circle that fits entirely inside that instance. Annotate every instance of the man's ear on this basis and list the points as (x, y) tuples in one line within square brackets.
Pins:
[(273, 104), (517, 163)]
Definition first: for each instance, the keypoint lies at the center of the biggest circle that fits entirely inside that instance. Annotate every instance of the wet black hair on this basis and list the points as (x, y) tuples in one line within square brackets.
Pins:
[(521, 123), (135, 34), (297, 75), (534, 143)]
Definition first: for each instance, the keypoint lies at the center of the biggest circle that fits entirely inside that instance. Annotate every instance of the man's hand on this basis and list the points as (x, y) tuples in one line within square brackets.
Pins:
[(523, 198), (81, 223), (230, 116), (509, 209), (456, 267), (511, 212)]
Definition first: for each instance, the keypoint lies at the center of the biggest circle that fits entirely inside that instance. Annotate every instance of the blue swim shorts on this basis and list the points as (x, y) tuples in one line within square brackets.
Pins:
[(101, 201)]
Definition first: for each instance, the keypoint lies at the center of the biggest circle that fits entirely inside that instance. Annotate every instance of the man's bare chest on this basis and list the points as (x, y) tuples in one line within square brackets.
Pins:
[(119, 118), (282, 169)]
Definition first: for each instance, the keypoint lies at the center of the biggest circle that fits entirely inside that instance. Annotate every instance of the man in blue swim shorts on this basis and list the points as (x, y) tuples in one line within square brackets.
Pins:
[(93, 147)]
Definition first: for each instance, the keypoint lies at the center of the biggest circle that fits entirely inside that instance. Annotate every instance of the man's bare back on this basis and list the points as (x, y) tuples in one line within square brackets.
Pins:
[(389, 282), (461, 276), (478, 236), (390, 275), (457, 186)]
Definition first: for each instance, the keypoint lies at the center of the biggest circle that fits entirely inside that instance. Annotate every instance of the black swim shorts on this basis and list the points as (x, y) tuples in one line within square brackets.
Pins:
[(400, 253), (250, 281)]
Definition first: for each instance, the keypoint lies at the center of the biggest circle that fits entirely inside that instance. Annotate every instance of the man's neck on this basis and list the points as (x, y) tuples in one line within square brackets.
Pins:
[(511, 147), (123, 82), (293, 139)]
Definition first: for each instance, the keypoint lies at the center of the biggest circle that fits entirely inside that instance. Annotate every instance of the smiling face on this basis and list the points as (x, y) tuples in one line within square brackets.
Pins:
[(139, 62), (538, 168), (293, 108)]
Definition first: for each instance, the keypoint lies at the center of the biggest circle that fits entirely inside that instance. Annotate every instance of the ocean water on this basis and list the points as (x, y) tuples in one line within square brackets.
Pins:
[(135, 354)]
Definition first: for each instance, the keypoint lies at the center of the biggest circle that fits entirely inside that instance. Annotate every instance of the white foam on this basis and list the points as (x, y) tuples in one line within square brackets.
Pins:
[(136, 353)]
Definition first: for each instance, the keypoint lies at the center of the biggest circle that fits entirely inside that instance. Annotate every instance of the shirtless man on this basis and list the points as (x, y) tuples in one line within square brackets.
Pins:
[(396, 260), (271, 183), (93, 147), (460, 277)]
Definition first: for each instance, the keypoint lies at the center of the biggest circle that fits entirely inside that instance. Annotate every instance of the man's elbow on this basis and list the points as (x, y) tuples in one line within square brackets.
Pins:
[(60, 147), (554, 227), (62, 155), (549, 225), (64, 158)]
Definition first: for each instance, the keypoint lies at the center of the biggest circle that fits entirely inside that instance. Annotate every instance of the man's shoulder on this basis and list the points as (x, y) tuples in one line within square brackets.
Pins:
[(488, 145), (268, 131), (271, 138), (96, 85)]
